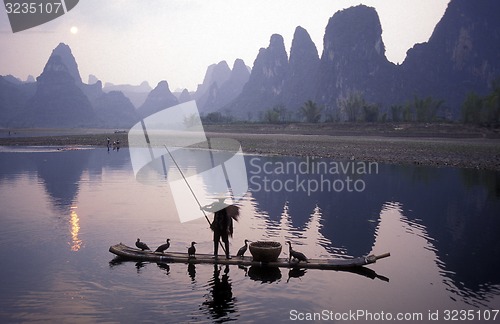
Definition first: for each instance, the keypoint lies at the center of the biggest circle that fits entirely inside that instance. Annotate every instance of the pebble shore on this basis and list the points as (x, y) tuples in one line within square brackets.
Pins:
[(465, 149)]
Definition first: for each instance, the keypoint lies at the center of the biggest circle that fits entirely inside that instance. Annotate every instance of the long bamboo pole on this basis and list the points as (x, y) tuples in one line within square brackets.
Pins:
[(192, 192)]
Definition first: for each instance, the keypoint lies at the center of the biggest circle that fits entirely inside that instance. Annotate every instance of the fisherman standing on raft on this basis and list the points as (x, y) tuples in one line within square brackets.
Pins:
[(222, 225)]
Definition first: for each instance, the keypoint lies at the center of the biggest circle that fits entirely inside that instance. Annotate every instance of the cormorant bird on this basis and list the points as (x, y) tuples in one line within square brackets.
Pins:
[(141, 245), (243, 249), (162, 248), (295, 254), (192, 250)]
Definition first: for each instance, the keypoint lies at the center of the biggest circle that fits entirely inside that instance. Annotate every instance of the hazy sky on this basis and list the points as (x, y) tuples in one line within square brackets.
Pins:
[(130, 41)]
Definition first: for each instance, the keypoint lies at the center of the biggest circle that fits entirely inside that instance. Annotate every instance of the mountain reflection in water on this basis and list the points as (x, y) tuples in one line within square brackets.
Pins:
[(440, 225)]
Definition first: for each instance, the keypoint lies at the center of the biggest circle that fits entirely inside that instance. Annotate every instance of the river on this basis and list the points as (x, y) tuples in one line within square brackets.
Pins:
[(60, 210)]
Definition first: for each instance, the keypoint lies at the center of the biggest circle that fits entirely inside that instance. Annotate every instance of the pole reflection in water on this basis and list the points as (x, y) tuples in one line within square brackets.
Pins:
[(74, 222)]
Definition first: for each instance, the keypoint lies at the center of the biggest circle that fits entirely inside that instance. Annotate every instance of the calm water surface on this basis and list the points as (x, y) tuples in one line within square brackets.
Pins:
[(61, 210)]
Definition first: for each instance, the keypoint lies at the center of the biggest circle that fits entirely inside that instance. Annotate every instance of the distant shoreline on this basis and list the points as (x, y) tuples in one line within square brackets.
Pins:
[(427, 145)]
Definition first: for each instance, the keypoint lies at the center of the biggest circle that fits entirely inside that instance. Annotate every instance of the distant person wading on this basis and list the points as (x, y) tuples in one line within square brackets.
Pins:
[(222, 225)]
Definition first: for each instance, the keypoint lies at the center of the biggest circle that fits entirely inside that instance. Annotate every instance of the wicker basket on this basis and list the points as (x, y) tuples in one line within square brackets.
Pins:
[(265, 251)]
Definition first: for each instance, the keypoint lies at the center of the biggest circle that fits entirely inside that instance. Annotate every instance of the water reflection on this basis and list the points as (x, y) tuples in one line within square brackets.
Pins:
[(432, 278), (220, 302), (295, 273), (116, 261), (191, 270), (338, 210), (309, 234), (164, 267), (140, 265), (61, 176), (440, 225), (368, 273), (264, 274), (418, 264), (458, 209), (74, 221)]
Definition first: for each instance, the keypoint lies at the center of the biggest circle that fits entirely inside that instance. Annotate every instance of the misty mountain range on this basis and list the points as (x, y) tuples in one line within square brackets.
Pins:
[(462, 55)]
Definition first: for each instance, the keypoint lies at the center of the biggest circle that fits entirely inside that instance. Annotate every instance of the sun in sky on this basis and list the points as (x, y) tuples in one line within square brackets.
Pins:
[(74, 30)]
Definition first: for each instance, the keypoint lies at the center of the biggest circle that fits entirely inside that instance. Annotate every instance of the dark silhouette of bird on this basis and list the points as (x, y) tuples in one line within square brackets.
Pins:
[(243, 249), (164, 266), (295, 254), (162, 248), (192, 250), (192, 271), (295, 273), (141, 245)]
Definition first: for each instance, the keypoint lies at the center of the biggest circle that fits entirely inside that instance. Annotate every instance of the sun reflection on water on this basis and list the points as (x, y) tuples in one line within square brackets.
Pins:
[(74, 221)]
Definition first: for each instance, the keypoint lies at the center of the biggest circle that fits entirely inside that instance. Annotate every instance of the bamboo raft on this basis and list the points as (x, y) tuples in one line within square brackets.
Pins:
[(130, 253)]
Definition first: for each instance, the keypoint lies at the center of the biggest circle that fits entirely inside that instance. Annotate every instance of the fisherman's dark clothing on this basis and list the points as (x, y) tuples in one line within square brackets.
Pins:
[(222, 224), (223, 228)]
